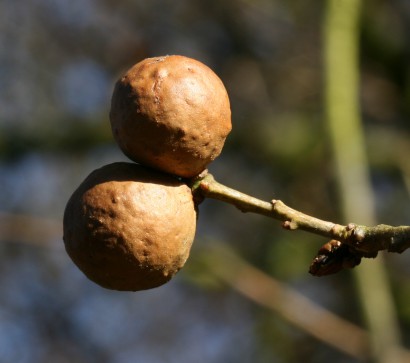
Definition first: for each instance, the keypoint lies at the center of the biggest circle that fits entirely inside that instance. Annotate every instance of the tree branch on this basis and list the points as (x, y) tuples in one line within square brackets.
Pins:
[(348, 243)]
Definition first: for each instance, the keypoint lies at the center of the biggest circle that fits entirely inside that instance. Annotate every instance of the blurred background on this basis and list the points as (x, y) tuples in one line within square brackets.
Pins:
[(245, 292)]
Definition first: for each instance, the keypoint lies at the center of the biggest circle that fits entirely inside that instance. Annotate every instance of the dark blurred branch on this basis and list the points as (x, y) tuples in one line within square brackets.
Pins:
[(270, 293), (30, 229), (349, 243), (290, 304)]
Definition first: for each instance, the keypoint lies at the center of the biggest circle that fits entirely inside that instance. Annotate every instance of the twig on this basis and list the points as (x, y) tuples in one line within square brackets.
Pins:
[(348, 243)]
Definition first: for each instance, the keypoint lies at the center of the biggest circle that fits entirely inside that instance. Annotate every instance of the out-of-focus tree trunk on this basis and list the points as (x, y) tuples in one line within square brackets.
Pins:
[(341, 38)]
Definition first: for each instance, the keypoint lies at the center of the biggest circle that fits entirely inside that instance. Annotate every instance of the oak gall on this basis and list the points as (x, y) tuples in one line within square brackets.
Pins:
[(128, 227), (171, 113)]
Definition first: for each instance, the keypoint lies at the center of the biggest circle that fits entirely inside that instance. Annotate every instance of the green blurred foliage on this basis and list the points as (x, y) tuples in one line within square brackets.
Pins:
[(59, 61)]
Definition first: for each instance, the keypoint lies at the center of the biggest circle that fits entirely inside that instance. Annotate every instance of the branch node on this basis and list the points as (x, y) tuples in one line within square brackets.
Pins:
[(359, 234), (204, 186), (290, 225), (336, 230), (350, 227)]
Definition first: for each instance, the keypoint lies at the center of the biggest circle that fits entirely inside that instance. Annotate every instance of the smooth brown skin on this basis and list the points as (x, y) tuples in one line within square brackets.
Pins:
[(171, 113), (128, 227)]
